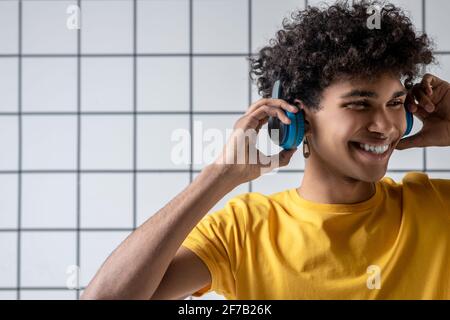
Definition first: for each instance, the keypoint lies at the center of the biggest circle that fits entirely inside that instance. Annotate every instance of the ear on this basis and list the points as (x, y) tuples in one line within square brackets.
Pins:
[(299, 104)]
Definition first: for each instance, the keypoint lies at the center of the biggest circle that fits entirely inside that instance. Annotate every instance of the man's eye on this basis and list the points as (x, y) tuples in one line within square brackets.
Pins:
[(357, 104), (396, 103)]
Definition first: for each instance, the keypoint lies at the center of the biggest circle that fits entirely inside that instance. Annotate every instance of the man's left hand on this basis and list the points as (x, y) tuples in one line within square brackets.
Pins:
[(433, 109)]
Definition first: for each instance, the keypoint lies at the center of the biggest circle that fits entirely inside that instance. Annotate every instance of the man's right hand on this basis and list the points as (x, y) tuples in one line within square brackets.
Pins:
[(240, 155)]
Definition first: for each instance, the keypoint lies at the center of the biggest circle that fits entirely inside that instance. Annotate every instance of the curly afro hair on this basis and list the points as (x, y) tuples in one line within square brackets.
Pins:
[(318, 46)]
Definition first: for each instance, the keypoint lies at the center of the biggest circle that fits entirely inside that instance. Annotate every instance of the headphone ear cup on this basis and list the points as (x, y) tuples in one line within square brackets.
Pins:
[(300, 132), (295, 131), (275, 124), (409, 121)]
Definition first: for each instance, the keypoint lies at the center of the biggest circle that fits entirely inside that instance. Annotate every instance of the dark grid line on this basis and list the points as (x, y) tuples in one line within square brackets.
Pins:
[(134, 114), (19, 191), (78, 196)]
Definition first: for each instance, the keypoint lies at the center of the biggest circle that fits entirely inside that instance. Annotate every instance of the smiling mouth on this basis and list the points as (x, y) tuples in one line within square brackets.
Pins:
[(378, 154)]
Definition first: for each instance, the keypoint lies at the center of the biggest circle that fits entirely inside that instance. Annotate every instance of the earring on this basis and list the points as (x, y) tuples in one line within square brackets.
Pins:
[(306, 151)]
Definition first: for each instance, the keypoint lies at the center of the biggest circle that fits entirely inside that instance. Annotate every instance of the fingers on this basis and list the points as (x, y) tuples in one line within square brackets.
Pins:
[(410, 103), (257, 119), (271, 102), (261, 123), (423, 91), (429, 81), (421, 114), (265, 111), (424, 101), (281, 159), (426, 84), (414, 141)]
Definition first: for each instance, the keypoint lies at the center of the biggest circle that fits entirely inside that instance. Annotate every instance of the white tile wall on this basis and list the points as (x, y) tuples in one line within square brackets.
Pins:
[(442, 66), (49, 142), (413, 9), (436, 15), (107, 199), (9, 203), (8, 295), (106, 142), (9, 30), (206, 130), (49, 84), (46, 257), (154, 190), (267, 18), (44, 27), (9, 142), (49, 200), (438, 158), (106, 84), (157, 79), (9, 84), (152, 38), (8, 259), (48, 295), (156, 137), (218, 26), (107, 26), (439, 174), (220, 83)]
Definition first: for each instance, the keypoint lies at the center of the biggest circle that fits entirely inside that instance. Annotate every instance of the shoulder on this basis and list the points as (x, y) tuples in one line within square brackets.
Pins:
[(421, 181), (257, 200), (251, 207), (420, 187), (415, 180)]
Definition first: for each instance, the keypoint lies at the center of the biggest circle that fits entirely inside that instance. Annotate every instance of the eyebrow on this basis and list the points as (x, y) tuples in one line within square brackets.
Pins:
[(371, 94)]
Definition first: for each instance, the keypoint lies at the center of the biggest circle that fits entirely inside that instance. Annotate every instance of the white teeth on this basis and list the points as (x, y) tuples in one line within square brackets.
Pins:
[(374, 149)]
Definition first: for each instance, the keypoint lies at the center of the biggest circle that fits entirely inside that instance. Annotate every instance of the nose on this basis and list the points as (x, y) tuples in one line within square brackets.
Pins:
[(383, 122)]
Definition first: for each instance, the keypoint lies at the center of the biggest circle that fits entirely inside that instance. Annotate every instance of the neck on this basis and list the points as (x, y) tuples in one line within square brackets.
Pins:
[(324, 186)]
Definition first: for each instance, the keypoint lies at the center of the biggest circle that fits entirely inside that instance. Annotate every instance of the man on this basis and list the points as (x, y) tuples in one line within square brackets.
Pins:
[(346, 232)]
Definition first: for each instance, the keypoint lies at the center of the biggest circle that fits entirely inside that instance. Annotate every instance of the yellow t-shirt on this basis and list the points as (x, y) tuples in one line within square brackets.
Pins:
[(395, 245)]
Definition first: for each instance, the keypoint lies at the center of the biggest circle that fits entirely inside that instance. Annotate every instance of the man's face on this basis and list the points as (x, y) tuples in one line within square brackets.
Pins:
[(356, 116)]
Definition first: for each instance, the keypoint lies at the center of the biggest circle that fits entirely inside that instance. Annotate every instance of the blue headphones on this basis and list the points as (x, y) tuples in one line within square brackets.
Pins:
[(290, 136)]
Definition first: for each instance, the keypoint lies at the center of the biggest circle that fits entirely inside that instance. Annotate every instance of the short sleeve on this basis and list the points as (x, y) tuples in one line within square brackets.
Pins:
[(218, 240), (442, 188)]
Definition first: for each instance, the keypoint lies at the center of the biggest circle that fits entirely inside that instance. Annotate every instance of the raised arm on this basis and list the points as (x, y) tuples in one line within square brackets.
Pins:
[(150, 263)]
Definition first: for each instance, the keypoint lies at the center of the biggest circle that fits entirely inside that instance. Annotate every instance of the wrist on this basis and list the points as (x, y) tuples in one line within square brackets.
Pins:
[(225, 174)]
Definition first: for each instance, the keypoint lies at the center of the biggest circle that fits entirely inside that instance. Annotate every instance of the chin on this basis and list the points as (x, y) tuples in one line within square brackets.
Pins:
[(371, 176), (367, 173)]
